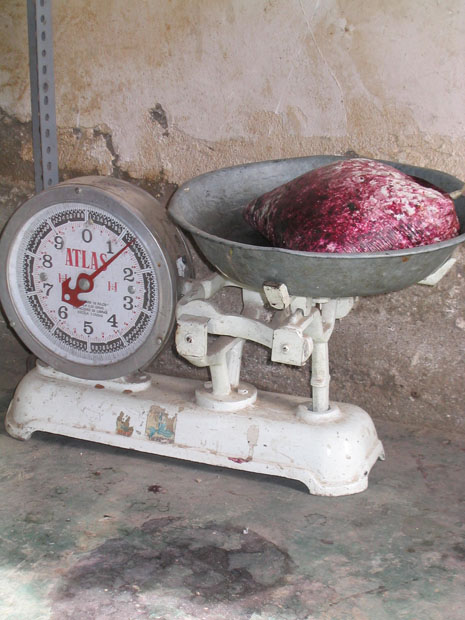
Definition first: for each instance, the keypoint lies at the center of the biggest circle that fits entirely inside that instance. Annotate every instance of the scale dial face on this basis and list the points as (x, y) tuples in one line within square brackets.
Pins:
[(87, 287)]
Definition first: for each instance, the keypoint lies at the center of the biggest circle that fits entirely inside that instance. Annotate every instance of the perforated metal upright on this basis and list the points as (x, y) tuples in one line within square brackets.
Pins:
[(42, 80)]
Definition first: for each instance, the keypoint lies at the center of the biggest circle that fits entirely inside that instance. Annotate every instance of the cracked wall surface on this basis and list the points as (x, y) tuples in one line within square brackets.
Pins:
[(158, 92)]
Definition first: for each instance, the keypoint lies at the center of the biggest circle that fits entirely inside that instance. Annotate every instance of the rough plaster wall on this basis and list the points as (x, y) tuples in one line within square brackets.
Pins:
[(169, 89), (187, 86)]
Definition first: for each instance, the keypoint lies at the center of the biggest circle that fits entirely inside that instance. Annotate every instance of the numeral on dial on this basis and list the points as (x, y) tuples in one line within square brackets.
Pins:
[(112, 321), (88, 329), (128, 302), (128, 274), (63, 312)]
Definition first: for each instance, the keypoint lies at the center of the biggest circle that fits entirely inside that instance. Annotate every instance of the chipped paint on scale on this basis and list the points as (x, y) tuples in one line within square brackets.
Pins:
[(123, 425), (161, 425)]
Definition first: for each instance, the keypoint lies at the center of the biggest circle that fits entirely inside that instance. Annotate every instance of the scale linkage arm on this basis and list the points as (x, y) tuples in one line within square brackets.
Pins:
[(197, 317), (299, 327)]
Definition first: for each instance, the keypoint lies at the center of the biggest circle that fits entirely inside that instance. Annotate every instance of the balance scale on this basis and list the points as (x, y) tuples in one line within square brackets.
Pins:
[(94, 276)]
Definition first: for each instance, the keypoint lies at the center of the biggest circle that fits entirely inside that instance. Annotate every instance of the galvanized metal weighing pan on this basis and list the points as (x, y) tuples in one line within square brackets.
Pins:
[(210, 208)]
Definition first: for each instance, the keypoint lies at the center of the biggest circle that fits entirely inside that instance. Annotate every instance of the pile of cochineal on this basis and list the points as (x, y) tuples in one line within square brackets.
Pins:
[(354, 205)]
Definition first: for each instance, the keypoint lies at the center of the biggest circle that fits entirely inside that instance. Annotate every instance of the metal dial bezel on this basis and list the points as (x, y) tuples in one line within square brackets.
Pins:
[(135, 209)]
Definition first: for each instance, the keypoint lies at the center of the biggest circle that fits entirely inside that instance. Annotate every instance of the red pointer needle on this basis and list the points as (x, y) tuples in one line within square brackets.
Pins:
[(85, 281)]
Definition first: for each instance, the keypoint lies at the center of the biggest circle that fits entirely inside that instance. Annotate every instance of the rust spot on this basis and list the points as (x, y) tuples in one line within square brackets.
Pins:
[(238, 460), (127, 391), (99, 386), (405, 259), (122, 425)]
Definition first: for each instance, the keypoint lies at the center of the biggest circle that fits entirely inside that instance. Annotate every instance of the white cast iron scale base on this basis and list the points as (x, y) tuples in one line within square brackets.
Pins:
[(331, 453)]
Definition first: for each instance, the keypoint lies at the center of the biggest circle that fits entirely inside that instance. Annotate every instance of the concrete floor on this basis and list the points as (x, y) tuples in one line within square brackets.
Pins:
[(89, 531)]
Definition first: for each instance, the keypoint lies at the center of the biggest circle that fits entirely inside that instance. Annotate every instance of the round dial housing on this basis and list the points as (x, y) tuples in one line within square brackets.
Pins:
[(89, 276)]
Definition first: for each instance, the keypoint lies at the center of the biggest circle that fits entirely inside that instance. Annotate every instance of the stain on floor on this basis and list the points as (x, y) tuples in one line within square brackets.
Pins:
[(201, 566)]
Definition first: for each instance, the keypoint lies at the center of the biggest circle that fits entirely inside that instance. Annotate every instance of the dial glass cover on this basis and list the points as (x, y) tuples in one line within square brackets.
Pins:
[(83, 283)]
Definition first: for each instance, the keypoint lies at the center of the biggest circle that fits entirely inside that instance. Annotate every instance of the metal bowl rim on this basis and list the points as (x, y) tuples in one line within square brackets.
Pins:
[(174, 209)]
